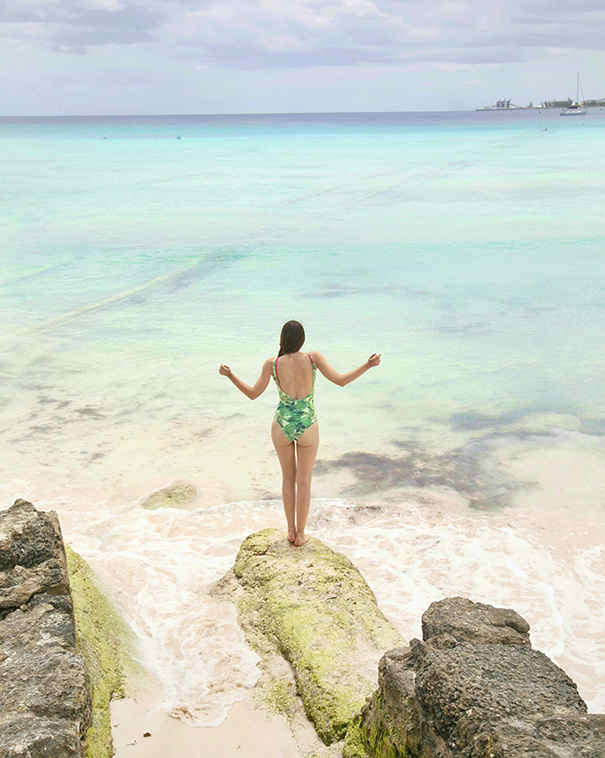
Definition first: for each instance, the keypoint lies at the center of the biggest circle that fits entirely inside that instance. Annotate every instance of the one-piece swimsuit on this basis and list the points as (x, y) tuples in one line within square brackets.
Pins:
[(294, 415)]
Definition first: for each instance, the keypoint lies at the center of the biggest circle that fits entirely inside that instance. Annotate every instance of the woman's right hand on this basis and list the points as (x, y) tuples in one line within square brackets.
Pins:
[(224, 370)]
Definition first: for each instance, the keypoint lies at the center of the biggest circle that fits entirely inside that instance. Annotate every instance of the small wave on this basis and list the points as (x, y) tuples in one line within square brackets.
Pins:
[(159, 566)]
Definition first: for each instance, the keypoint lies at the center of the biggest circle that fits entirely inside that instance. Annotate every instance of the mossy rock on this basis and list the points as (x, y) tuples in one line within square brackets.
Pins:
[(175, 496), (355, 745), (317, 608), (107, 644)]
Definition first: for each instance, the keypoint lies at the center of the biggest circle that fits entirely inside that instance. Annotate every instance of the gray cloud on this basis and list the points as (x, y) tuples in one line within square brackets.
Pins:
[(67, 24), (102, 35), (72, 13), (549, 8), (344, 32), (254, 34), (17, 15), (250, 57)]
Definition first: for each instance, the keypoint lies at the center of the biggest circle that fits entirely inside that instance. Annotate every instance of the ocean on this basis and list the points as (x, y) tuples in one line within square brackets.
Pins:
[(138, 253)]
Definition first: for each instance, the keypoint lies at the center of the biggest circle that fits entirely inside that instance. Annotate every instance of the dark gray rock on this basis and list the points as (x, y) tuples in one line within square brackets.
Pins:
[(448, 698), (474, 622), (33, 737), (45, 704), (32, 555)]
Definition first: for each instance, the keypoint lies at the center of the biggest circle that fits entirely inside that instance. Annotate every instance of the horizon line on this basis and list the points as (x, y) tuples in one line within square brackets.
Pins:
[(264, 113)]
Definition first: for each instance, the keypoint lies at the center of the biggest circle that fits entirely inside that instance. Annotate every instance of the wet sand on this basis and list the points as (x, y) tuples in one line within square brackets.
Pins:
[(247, 732)]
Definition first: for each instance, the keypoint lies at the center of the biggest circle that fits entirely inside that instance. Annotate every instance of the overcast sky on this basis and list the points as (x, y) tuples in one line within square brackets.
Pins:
[(62, 57)]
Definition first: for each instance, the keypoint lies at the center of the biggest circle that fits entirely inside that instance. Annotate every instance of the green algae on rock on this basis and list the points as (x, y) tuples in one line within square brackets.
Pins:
[(278, 696), (106, 643), (355, 744), (175, 496), (317, 608)]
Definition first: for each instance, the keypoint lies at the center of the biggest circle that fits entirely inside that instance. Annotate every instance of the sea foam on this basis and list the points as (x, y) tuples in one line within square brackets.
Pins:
[(413, 548)]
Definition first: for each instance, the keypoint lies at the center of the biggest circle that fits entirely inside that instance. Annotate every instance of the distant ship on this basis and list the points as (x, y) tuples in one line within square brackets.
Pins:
[(501, 105), (576, 108)]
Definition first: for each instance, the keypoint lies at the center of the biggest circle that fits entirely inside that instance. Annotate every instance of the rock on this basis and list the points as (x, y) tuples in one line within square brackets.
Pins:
[(44, 687), (448, 698), (41, 664), (32, 737), (315, 606), (474, 622), (32, 558), (174, 496)]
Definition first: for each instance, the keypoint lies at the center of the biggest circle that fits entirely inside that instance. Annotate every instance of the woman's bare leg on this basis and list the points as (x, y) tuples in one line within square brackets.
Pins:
[(306, 452), (287, 460)]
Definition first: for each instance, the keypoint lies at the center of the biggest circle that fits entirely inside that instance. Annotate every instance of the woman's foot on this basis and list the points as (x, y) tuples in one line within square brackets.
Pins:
[(301, 539), (292, 535)]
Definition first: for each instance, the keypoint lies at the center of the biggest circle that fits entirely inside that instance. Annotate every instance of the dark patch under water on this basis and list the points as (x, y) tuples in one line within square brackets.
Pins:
[(336, 290), (594, 426), (91, 412), (467, 470), (473, 421)]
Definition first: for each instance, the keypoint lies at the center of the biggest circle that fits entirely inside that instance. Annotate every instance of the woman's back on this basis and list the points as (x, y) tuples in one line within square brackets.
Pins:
[(294, 372), (294, 430)]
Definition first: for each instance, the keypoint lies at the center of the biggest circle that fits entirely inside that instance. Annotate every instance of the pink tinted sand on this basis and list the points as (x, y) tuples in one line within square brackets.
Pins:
[(247, 732)]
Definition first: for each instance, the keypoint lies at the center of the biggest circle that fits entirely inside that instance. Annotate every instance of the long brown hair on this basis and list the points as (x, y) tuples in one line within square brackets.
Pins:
[(292, 338)]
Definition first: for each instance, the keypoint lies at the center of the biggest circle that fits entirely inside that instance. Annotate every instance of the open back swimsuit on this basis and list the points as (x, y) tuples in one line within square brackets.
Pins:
[(294, 415)]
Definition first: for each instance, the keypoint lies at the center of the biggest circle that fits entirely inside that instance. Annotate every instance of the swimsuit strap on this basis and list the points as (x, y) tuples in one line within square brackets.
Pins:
[(275, 371), (314, 372)]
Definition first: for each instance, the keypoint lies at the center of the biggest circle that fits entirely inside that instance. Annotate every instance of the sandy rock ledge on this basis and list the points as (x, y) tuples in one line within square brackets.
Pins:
[(311, 607)]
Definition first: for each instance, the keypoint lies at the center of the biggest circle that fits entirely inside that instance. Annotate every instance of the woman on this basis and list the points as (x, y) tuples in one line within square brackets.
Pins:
[(294, 430)]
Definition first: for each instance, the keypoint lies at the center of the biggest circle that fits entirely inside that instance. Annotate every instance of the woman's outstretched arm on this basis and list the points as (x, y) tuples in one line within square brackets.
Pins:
[(259, 386), (342, 379)]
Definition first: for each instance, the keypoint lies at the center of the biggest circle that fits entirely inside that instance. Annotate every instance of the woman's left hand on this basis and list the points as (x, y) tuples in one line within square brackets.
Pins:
[(374, 360)]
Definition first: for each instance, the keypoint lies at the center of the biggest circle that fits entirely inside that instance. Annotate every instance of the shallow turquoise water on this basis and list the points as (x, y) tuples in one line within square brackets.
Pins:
[(465, 247), (137, 254)]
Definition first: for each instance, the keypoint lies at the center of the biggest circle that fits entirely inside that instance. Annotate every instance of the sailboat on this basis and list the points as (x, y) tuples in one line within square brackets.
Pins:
[(576, 109)]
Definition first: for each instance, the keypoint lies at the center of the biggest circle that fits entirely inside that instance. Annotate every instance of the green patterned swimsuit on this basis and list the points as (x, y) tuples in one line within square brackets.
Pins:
[(294, 416)]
